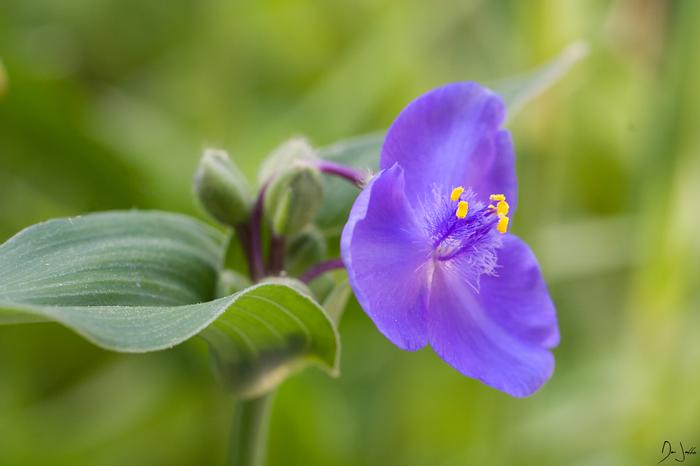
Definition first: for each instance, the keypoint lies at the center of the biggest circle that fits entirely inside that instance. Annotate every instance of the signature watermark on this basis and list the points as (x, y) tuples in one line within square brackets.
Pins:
[(679, 455)]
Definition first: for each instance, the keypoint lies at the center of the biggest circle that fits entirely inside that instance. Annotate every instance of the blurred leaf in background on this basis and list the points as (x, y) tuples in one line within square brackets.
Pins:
[(110, 102), (3, 80)]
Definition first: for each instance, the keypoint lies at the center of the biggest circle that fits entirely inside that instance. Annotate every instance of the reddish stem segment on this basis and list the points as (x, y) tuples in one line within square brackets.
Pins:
[(321, 268), (250, 233), (252, 244), (275, 263), (357, 177)]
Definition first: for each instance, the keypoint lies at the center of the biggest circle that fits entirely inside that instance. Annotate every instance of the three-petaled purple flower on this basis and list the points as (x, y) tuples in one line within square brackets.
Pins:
[(427, 250)]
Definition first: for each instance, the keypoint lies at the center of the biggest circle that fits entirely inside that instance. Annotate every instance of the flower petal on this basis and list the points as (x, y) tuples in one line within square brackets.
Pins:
[(500, 177), (450, 137), (518, 298), (385, 251), (501, 334)]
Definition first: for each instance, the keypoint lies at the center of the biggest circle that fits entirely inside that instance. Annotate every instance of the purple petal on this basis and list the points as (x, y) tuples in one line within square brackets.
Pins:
[(518, 298), (451, 137), (385, 252), (500, 177), (501, 334)]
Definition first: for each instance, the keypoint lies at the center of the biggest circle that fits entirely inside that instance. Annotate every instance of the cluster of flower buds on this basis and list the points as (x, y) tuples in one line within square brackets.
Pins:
[(289, 196), (290, 183)]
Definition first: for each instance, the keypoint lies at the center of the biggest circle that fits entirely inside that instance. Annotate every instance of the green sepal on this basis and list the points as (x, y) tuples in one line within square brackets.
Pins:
[(304, 250), (222, 189), (290, 153), (293, 198)]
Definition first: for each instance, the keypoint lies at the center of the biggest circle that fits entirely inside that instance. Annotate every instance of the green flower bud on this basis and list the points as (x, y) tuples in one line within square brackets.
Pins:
[(292, 152), (304, 250), (292, 199), (222, 189)]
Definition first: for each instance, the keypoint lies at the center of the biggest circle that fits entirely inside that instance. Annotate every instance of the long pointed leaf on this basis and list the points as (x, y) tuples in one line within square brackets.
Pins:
[(145, 281)]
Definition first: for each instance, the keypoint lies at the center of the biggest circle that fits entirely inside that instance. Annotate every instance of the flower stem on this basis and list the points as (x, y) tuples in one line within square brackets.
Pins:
[(249, 432), (276, 258), (255, 266), (252, 244), (320, 269), (357, 177)]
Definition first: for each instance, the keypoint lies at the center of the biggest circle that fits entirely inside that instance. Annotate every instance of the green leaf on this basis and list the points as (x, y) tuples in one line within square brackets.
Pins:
[(336, 301), (112, 259), (270, 331), (520, 90), (145, 281)]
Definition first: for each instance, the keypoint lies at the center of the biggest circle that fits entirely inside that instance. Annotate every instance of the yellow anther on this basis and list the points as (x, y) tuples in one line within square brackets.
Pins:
[(502, 225), (462, 209), (497, 197), (502, 208), (492, 207), (456, 193)]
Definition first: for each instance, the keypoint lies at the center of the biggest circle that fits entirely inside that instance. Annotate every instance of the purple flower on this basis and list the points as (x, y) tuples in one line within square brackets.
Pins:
[(427, 250)]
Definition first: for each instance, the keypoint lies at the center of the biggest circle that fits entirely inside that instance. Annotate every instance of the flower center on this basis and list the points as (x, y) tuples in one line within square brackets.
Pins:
[(501, 208), (465, 233)]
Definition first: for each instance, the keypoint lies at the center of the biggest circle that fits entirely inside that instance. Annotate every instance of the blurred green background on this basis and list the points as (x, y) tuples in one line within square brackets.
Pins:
[(108, 104)]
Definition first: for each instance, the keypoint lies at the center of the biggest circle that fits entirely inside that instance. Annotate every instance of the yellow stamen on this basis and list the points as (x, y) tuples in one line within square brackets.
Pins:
[(462, 209), (502, 225), (502, 208), (497, 197), (456, 193)]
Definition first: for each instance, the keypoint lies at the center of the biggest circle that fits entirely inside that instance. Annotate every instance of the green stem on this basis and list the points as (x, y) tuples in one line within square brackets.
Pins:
[(249, 432)]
